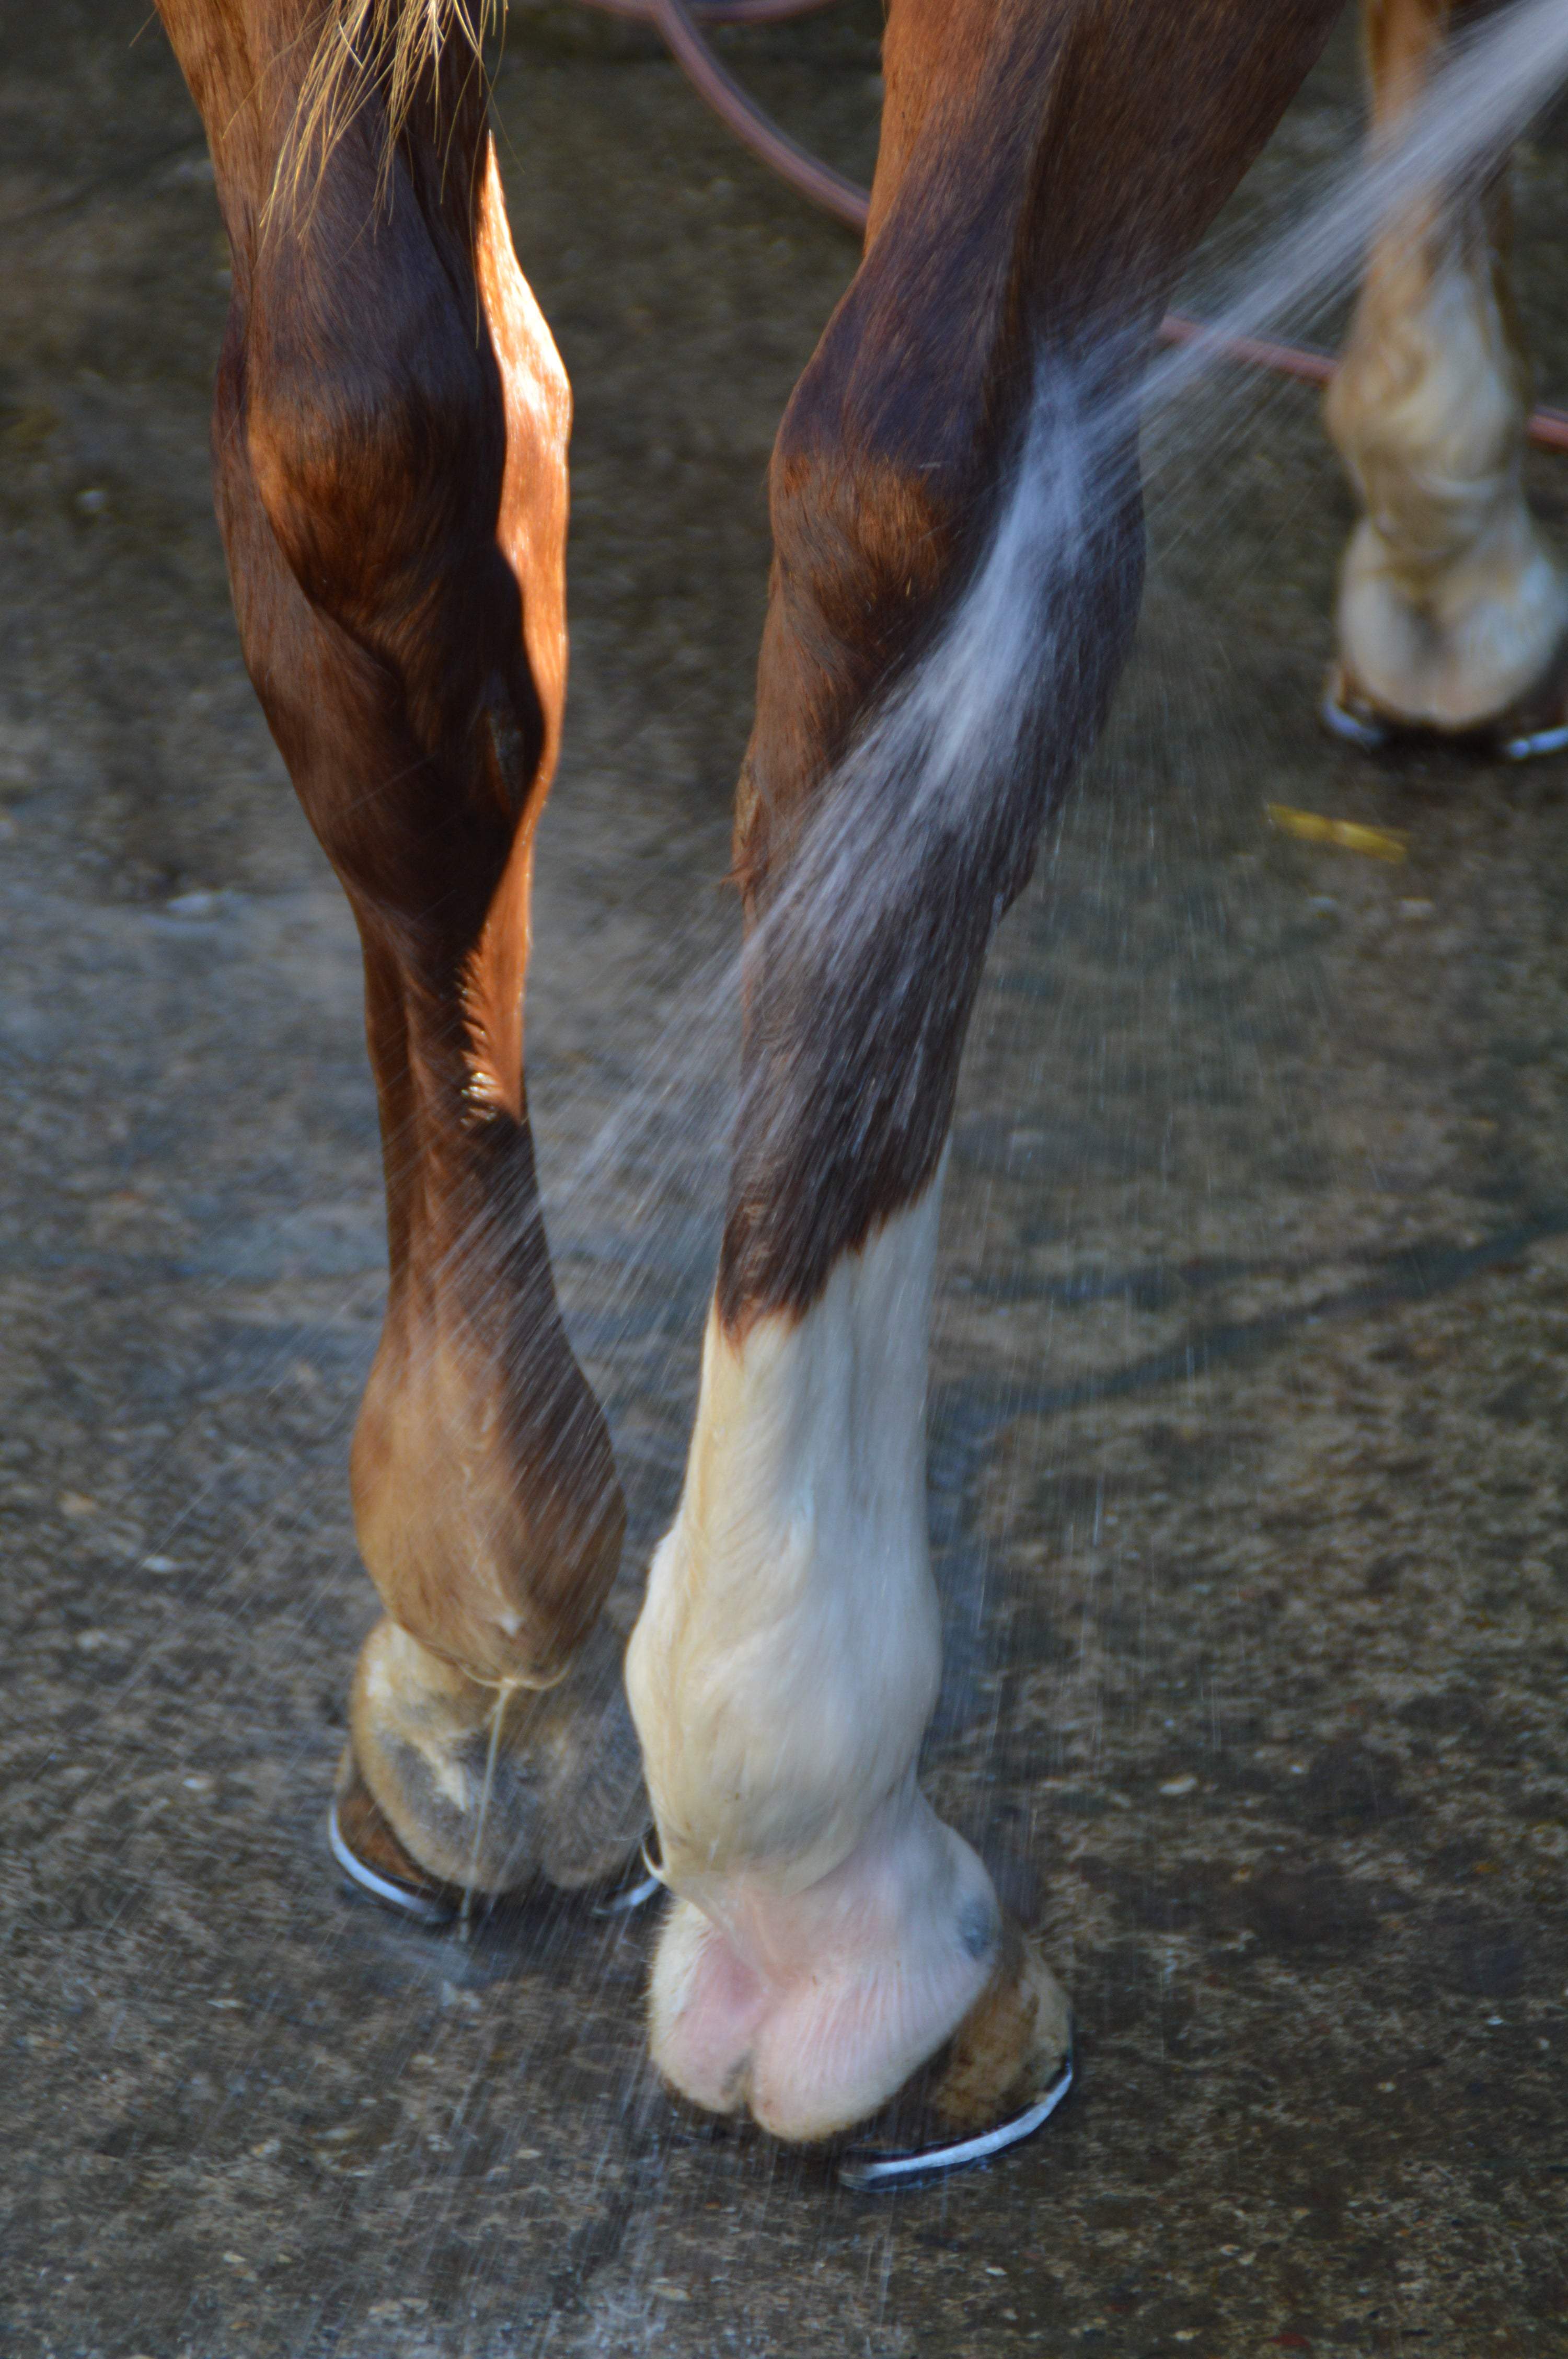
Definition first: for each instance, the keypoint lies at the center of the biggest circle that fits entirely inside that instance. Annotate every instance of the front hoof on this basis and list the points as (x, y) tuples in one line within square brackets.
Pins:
[(369, 1853), (1347, 714), (484, 1789), (894, 2001), (1001, 2076)]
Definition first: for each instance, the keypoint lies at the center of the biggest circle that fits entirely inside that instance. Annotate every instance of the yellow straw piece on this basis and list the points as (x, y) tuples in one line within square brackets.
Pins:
[(1378, 843)]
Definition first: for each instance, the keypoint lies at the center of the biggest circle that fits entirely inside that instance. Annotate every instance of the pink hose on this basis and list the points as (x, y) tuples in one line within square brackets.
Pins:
[(1548, 429)]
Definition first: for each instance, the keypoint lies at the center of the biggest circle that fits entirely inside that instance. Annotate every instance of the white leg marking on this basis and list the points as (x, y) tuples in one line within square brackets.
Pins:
[(788, 1655), (1450, 606), (831, 1931)]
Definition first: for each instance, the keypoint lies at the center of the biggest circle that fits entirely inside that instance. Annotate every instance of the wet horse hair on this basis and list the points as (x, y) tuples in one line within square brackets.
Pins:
[(957, 552)]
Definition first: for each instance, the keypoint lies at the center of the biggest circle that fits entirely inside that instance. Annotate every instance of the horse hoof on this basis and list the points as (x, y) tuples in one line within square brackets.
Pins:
[(1533, 726), (998, 2078), (486, 1790), (1346, 714), (644, 1882), (375, 1863)]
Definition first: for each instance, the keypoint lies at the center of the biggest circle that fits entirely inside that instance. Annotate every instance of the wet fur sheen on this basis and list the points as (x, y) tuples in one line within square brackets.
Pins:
[(390, 454)]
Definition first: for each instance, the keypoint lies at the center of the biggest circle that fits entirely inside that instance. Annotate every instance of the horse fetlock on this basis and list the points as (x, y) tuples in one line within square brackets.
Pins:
[(810, 2008), (488, 1785), (1451, 608), (486, 1502)]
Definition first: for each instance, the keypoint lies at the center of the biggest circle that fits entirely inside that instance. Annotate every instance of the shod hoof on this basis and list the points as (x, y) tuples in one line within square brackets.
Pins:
[(1535, 726)]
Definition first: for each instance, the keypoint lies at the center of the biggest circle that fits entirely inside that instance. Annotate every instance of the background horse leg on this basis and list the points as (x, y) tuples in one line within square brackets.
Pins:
[(389, 446), (957, 559), (1453, 612)]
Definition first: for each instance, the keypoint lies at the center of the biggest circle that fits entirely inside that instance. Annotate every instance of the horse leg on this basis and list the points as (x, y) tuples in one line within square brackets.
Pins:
[(958, 541), (390, 456), (1453, 612)]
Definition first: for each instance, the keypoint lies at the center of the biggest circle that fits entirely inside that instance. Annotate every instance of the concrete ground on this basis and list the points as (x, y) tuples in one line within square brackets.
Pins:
[(1249, 1389)]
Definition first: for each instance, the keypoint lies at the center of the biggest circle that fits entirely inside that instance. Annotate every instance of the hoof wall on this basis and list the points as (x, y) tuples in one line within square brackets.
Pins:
[(875, 2169), (643, 1883), (1530, 730), (376, 1864), (1001, 2076), (1347, 718)]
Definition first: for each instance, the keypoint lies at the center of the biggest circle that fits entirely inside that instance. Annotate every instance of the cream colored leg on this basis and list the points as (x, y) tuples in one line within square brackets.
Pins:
[(830, 1933), (1452, 610)]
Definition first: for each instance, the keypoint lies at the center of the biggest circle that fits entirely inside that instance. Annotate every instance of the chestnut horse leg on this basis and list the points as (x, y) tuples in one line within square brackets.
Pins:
[(957, 560), (390, 451), (1453, 612)]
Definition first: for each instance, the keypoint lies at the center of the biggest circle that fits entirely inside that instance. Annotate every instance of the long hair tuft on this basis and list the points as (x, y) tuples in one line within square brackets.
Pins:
[(392, 47)]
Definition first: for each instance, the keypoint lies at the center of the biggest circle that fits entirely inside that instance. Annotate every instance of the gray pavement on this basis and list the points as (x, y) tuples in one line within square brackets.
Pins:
[(1248, 1389)]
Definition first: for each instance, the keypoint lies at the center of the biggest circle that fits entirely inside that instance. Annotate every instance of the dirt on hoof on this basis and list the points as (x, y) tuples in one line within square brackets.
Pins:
[(1011, 2044), (1009, 2051), (367, 1849)]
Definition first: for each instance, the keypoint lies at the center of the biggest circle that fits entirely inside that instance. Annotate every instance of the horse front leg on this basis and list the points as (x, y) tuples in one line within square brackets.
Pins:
[(390, 456), (1453, 612), (957, 556)]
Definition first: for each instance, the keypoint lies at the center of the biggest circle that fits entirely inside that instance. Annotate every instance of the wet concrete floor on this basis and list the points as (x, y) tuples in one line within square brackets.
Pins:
[(1248, 1389)]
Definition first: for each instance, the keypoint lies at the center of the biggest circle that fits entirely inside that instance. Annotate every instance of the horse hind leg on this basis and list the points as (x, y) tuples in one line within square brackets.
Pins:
[(390, 462), (937, 656), (1453, 611)]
